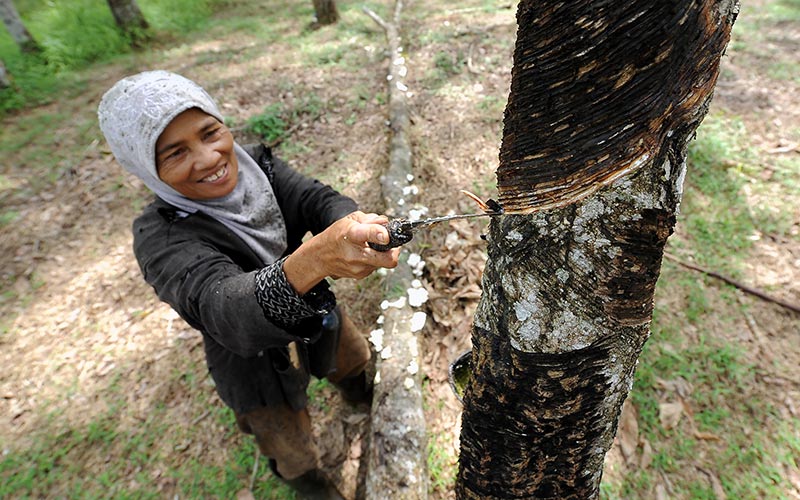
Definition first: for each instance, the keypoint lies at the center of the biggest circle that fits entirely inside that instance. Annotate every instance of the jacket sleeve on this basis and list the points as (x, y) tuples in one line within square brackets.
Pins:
[(204, 286)]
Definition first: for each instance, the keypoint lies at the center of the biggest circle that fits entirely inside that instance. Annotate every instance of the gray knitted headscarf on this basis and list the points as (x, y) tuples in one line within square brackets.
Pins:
[(134, 113)]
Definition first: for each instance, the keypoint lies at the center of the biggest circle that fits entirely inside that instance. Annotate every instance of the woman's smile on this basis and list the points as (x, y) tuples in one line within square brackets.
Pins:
[(219, 174), (195, 156)]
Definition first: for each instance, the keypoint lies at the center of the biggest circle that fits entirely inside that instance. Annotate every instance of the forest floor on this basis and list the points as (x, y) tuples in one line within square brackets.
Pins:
[(104, 390)]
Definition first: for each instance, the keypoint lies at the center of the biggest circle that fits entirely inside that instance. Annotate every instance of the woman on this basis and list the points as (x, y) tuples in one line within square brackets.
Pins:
[(222, 244)]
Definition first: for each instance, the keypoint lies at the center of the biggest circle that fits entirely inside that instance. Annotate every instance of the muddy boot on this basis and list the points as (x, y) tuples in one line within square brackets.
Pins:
[(314, 485), (356, 389)]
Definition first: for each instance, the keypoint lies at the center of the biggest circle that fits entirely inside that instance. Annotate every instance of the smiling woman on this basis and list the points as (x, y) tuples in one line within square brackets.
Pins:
[(194, 155), (223, 245)]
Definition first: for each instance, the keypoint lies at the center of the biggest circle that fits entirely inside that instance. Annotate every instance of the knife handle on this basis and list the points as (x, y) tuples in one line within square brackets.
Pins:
[(400, 233)]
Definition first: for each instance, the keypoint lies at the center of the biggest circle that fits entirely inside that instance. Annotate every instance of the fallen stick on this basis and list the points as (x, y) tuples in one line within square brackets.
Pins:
[(741, 286), (396, 461)]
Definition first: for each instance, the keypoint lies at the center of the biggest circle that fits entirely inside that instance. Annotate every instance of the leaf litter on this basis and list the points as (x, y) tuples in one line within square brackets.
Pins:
[(84, 332)]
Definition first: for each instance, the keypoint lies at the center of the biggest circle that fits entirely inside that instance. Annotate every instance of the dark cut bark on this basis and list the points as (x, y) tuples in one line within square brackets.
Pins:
[(604, 98), (129, 18), (597, 88), (325, 12), (16, 28)]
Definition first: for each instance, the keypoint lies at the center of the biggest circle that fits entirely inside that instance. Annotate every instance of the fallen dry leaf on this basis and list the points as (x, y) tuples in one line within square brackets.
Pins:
[(669, 414), (245, 494), (679, 386), (647, 455), (706, 436), (661, 492), (716, 484), (628, 433)]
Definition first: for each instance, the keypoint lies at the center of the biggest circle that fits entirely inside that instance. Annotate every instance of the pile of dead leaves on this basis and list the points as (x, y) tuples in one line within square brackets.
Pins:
[(454, 269)]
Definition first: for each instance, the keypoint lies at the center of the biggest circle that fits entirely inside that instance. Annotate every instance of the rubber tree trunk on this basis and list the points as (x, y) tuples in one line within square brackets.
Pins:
[(16, 28), (325, 12), (604, 98), (129, 18)]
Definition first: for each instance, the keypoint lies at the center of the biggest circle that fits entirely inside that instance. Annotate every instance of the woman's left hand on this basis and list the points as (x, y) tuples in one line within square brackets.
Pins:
[(341, 251)]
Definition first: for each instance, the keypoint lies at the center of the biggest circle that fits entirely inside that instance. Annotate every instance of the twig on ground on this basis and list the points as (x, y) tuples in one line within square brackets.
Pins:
[(754, 329), (472, 69), (737, 284), (255, 470), (285, 135), (788, 148), (201, 417)]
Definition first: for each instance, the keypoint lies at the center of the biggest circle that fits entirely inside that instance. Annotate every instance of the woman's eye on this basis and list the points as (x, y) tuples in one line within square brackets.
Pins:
[(211, 134), (174, 154)]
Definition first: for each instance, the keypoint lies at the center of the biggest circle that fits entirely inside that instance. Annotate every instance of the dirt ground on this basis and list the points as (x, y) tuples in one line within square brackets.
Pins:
[(82, 323)]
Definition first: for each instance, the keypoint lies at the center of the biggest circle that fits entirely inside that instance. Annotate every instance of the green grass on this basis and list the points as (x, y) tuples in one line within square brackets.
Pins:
[(718, 216), (63, 460), (442, 466), (277, 118), (270, 124), (718, 227), (714, 209), (749, 461), (75, 34), (759, 27)]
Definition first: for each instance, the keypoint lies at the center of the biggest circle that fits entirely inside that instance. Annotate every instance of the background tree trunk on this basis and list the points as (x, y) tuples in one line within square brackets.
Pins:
[(16, 28), (325, 12), (604, 99), (4, 80), (129, 18)]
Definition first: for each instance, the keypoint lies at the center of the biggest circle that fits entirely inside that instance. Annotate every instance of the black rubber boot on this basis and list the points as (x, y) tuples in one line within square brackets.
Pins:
[(313, 485)]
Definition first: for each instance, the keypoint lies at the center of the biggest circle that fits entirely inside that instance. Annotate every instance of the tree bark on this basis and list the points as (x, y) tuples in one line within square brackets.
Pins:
[(129, 18), (4, 80), (16, 28), (396, 458), (604, 99), (325, 12)]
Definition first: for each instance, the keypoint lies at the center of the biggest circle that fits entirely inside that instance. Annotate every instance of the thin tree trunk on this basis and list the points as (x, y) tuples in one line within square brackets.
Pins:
[(129, 18), (604, 99), (4, 80), (16, 28), (325, 12)]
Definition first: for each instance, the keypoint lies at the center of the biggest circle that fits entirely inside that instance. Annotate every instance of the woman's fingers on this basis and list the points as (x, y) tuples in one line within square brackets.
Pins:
[(344, 251), (370, 218), (362, 233)]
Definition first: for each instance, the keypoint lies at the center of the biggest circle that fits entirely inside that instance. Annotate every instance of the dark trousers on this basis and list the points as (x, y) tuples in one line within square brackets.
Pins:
[(283, 434)]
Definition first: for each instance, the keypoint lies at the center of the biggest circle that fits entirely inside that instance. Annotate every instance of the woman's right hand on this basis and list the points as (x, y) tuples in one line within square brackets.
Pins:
[(341, 251)]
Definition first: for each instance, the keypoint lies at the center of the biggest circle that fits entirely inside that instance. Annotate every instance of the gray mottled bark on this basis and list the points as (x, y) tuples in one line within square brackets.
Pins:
[(604, 99), (397, 459), (16, 28)]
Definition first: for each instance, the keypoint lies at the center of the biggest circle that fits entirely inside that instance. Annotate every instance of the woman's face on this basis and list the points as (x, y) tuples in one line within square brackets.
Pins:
[(195, 156)]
